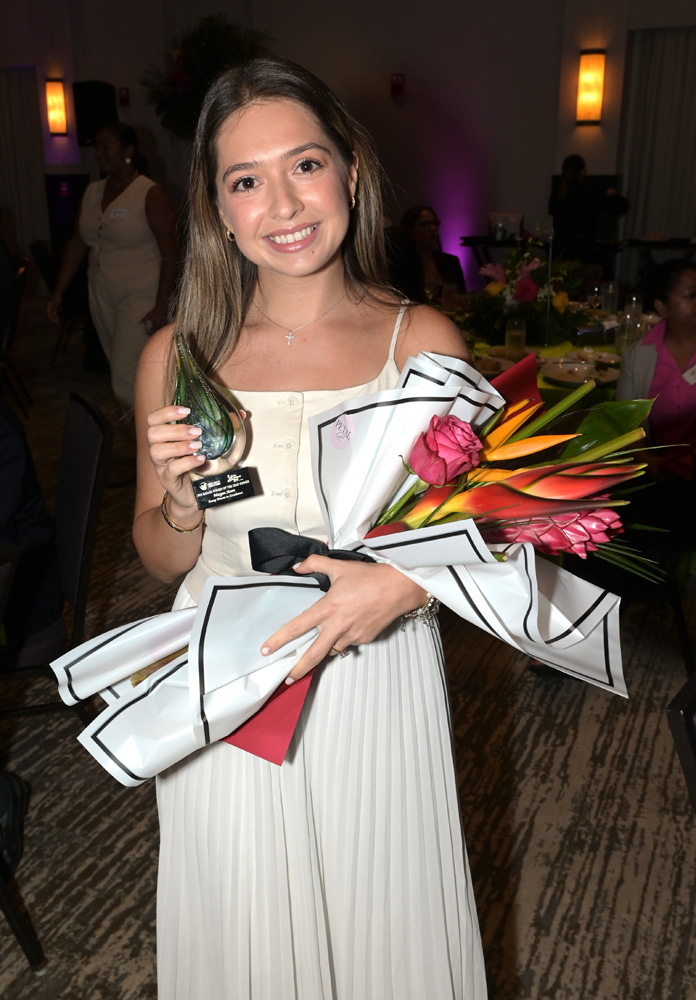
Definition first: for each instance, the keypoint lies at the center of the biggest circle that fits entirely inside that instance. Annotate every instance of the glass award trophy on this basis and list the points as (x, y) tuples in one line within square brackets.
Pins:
[(223, 437)]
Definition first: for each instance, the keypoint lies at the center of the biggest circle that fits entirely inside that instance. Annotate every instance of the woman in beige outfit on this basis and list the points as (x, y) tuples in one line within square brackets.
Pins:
[(128, 224)]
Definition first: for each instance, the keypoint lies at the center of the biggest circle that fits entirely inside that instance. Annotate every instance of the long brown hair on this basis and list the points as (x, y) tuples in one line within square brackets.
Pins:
[(218, 282)]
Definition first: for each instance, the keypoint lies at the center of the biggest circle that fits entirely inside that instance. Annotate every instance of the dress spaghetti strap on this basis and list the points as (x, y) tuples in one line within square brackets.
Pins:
[(397, 327)]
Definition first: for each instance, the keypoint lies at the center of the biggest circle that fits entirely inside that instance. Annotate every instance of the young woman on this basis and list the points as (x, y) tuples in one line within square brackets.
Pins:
[(342, 873)]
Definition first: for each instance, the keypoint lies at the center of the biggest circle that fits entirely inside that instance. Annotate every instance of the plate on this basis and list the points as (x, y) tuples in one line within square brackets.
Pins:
[(568, 373), (499, 351), (490, 367), (587, 355)]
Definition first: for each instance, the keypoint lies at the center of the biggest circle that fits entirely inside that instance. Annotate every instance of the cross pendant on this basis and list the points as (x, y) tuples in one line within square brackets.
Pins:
[(289, 337)]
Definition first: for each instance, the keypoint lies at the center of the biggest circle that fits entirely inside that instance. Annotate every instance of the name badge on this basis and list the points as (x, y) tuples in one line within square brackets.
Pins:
[(118, 213), (690, 375)]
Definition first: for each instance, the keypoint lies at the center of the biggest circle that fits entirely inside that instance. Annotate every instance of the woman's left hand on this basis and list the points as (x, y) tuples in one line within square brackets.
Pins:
[(154, 320), (364, 598)]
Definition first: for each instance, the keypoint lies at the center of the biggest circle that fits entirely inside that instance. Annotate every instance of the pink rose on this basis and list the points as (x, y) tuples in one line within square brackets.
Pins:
[(525, 290), (448, 448)]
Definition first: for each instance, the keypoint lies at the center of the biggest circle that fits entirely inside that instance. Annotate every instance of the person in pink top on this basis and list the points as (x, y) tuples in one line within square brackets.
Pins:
[(662, 367)]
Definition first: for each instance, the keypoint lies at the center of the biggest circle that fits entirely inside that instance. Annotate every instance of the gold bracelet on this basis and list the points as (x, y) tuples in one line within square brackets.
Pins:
[(178, 527), (425, 614)]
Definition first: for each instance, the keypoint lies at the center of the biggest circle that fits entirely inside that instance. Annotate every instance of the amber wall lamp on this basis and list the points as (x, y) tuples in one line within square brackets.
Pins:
[(590, 87), (55, 106)]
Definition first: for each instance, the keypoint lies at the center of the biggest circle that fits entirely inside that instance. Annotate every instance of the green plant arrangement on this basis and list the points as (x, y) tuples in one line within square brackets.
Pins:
[(523, 288), (177, 88)]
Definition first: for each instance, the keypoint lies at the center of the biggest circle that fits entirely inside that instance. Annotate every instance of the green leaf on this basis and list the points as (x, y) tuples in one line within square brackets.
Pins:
[(544, 419), (606, 422)]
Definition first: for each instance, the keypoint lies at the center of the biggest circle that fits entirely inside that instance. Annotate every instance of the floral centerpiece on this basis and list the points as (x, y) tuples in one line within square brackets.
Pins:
[(196, 57), (523, 288)]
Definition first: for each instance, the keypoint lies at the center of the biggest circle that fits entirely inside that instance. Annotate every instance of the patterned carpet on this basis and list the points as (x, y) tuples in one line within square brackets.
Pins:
[(580, 833)]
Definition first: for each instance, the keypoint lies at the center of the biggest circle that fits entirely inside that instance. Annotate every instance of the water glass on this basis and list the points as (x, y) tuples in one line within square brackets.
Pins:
[(634, 305), (594, 297), (610, 296), (447, 297), (515, 337)]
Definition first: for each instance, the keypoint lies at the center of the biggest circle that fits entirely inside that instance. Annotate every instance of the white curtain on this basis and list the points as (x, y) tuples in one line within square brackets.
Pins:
[(658, 154), (23, 209)]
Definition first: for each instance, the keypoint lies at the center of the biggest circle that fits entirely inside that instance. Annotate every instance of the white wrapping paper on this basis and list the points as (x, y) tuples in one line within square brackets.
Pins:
[(357, 448), (527, 601), (200, 696)]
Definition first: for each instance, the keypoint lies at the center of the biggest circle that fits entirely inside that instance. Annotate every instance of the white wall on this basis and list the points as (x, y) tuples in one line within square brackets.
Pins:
[(490, 90)]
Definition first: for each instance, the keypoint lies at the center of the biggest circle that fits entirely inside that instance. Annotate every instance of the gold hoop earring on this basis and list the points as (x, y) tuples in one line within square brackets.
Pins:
[(351, 203), (230, 236)]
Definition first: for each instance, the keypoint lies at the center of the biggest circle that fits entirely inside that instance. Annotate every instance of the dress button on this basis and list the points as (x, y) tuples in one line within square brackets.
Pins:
[(288, 494), (292, 401), (289, 445)]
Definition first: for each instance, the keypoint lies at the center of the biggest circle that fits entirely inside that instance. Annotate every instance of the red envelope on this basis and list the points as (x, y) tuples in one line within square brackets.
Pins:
[(268, 733)]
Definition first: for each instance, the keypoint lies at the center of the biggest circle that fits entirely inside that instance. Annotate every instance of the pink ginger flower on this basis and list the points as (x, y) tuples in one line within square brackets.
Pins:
[(448, 448), (528, 269), (580, 532), (494, 271)]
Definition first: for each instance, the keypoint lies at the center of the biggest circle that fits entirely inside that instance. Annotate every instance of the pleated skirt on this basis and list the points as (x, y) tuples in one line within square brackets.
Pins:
[(342, 874)]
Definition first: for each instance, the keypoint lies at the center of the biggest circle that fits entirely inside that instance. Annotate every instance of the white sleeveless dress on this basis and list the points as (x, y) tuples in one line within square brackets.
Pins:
[(342, 874)]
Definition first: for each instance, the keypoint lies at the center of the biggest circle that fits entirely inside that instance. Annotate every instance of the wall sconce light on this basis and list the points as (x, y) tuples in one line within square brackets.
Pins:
[(590, 87), (55, 106)]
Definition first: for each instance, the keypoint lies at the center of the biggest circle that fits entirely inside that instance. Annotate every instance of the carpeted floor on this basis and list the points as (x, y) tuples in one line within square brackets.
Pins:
[(580, 833)]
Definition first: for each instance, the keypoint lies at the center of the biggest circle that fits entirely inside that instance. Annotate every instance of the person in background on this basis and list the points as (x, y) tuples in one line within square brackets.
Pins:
[(576, 204), (422, 224), (128, 225), (662, 367)]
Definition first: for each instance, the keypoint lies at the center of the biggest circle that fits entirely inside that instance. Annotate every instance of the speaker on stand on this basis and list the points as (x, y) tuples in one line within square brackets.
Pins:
[(95, 105)]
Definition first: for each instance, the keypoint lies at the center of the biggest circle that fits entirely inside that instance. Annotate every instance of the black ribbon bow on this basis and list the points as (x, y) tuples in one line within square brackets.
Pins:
[(276, 551)]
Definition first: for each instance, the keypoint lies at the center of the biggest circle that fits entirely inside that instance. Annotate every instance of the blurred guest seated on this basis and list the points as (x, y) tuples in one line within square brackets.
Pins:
[(437, 269), (662, 366), (576, 204), (35, 599)]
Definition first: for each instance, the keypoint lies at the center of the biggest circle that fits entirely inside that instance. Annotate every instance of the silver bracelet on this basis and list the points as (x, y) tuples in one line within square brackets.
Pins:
[(425, 614)]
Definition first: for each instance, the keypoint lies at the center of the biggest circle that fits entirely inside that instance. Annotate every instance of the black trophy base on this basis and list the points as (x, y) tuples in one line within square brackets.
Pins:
[(211, 491)]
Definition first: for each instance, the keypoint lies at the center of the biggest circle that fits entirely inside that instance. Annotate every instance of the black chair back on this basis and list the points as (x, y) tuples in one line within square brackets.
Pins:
[(681, 715), (9, 555), (81, 478)]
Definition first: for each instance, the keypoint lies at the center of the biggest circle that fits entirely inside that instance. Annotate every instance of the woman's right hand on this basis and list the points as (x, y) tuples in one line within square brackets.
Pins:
[(53, 308), (174, 454)]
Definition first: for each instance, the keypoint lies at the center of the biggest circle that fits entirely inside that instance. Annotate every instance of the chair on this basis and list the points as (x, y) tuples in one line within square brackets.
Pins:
[(16, 916), (84, 458), (681, 715), (9, 314)]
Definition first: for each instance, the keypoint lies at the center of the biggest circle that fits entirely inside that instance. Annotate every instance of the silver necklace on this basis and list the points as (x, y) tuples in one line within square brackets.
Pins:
[(290, 335)]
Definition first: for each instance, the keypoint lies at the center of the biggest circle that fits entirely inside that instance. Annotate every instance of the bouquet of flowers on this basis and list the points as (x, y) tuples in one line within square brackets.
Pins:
[(465, 519), (562, 503), (522, 287)]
